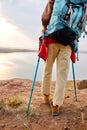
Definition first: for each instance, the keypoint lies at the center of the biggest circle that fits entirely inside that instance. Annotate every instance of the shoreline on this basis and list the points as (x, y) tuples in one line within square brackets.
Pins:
[(81, 84), (12, 50)]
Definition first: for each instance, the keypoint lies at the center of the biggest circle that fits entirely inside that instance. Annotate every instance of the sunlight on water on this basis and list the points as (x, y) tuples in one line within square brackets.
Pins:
[(17, 65), (6, 66), (22, 65), (2, 67)]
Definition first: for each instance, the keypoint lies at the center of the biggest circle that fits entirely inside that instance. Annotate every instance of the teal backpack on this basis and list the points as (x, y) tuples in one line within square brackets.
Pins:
[(71, 14)]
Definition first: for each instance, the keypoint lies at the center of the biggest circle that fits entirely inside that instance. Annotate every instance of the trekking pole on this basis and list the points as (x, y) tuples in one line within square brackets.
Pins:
[(72, 61), (33, 83), (32, 88), (74, 81)]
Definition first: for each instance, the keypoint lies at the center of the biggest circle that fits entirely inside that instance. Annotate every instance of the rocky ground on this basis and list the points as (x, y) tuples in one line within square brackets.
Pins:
[(14, 95)]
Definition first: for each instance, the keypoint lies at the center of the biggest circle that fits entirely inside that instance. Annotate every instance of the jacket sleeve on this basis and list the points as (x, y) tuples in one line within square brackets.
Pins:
[(47, 13)]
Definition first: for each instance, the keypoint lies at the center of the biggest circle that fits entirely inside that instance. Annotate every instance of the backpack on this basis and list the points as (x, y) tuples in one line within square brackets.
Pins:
[(70, 15)]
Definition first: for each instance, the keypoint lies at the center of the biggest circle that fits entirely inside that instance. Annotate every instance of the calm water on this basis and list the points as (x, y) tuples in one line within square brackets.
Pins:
[(22, 65)]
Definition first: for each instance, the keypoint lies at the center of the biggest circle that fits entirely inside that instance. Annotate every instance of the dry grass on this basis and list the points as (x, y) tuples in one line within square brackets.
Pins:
[(2, 104), (14, 101)]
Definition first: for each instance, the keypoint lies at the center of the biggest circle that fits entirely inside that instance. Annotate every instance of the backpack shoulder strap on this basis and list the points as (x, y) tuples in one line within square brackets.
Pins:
[(77, 2), (84, 20)]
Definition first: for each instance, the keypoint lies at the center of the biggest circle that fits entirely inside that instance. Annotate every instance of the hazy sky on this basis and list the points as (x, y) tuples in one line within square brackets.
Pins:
[(20, 23)]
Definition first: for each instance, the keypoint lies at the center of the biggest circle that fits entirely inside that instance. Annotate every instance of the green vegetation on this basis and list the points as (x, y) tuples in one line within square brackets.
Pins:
[(2, 104), (15, 102)]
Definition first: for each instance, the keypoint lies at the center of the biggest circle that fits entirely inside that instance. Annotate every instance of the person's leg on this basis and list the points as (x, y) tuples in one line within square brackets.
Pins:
[(47, 74), (62, 62)]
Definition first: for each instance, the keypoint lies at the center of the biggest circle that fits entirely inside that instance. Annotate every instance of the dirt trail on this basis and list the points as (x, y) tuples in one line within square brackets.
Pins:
[(14, 95)]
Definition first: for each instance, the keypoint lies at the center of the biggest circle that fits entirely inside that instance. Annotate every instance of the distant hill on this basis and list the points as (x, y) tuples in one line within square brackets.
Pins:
[(11, 50), (82, 51)]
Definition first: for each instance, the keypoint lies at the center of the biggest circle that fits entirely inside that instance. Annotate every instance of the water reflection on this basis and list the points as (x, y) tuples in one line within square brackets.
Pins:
[(22, 65)]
